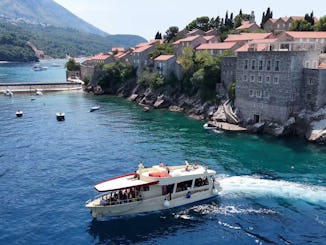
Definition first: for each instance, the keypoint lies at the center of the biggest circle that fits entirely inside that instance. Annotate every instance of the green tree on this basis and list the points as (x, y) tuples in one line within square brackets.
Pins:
[(266, 17), (321, 24), (171, 34), (186, 60), (301, 25), (151, 79), (163, 48), (113, 74), (72, 65), (201, 23)]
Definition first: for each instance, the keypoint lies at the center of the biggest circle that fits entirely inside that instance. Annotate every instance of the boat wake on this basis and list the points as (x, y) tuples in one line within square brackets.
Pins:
[(257, 187)]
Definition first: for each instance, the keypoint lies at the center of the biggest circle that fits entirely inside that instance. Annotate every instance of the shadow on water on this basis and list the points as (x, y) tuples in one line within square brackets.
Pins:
[(148, 227)]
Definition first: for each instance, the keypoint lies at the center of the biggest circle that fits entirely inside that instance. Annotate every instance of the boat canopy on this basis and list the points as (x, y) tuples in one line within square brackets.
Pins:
[(122, 182)]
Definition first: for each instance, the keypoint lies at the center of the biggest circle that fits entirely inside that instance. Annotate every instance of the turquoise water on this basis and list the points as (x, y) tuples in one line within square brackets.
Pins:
[(23, 72), (273, 190)]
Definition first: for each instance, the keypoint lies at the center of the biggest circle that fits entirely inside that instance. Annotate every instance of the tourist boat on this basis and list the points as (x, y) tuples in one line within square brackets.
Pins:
[(8, 92), (19, 113), (60, 116), (153, 189), (38, 67), (94, 108)]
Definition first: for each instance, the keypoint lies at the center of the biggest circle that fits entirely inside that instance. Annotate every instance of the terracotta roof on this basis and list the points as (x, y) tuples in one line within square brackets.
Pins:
[(164, 57), (245, 25), (246, 37), (142, 49), (217, 46), (141, 45), (100, 56), (187, 39), (122, 55), (272, 20), (307, 34), (261, 44), (118, 49), (207, 38), (322, 66), (245, 47)]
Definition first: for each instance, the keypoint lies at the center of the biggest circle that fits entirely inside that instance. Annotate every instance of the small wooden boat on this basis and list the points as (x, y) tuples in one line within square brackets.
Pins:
[(60, 116)]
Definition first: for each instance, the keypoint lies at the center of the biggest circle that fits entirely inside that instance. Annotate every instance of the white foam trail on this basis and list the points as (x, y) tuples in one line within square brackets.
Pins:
[(254, 186)]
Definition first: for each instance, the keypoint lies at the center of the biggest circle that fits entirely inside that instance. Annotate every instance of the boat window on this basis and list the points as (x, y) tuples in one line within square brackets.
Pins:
[(166, 189), (201, 182), (146, 188), (182, 186)]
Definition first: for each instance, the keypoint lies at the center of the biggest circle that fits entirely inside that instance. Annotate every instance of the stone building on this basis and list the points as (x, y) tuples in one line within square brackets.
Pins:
[(269, 84), (164, 65), (314, 87), (228, 72)]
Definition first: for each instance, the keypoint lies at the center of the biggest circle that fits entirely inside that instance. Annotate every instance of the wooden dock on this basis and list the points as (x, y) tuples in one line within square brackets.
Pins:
[(45, 87)]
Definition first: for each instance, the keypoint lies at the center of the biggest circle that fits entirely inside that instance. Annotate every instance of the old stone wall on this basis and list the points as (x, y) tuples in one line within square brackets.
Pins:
[(228, 72), (269, 85)]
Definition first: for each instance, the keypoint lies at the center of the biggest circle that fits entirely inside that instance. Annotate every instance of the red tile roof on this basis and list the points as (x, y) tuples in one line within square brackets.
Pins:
[(142, 48), (307, 34), (163, 57), (118, 49), (208, 38), (100, 56), (260, 45), (247, 37), (217, 46), (245, 25), (187, 39), (322, 66)]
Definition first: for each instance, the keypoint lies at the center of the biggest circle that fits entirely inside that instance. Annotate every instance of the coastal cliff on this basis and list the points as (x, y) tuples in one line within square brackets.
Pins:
[(167, 97)]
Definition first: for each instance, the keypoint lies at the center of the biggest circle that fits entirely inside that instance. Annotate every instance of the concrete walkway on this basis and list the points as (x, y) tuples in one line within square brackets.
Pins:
[(228, 127)]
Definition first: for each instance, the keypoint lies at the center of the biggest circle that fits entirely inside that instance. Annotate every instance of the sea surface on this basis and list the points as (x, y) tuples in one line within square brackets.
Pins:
[(273, 190)]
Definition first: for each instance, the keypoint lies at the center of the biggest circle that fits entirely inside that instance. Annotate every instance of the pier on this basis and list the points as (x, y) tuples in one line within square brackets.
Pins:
[(45, 87)]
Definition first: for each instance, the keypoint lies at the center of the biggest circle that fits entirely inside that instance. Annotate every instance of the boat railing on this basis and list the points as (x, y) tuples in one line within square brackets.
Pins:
[(114, 199)]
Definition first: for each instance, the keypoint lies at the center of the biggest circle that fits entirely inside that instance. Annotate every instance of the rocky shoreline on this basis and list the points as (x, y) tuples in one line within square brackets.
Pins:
[(307, 124)]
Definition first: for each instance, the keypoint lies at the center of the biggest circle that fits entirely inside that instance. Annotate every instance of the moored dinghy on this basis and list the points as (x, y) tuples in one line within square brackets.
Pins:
[(19, 113), (152, 189), (94, 108), (60, 116)]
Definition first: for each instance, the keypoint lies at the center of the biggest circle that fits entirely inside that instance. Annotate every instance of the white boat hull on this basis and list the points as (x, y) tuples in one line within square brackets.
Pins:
[(147, 205)]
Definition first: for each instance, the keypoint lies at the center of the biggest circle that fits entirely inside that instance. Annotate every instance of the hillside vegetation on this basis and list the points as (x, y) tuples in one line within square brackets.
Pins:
[(52, 29)]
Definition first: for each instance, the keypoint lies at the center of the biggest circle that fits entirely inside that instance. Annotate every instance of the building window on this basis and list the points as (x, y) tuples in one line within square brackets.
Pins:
[(268, 65), (258, 93), (253, 64), (275, 80), (251, 93), (244, 77), (260, 79), (260, 65), (267, 79), (246, 64), (252, 79), (308, 96), (277, 65), (266, 95)]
